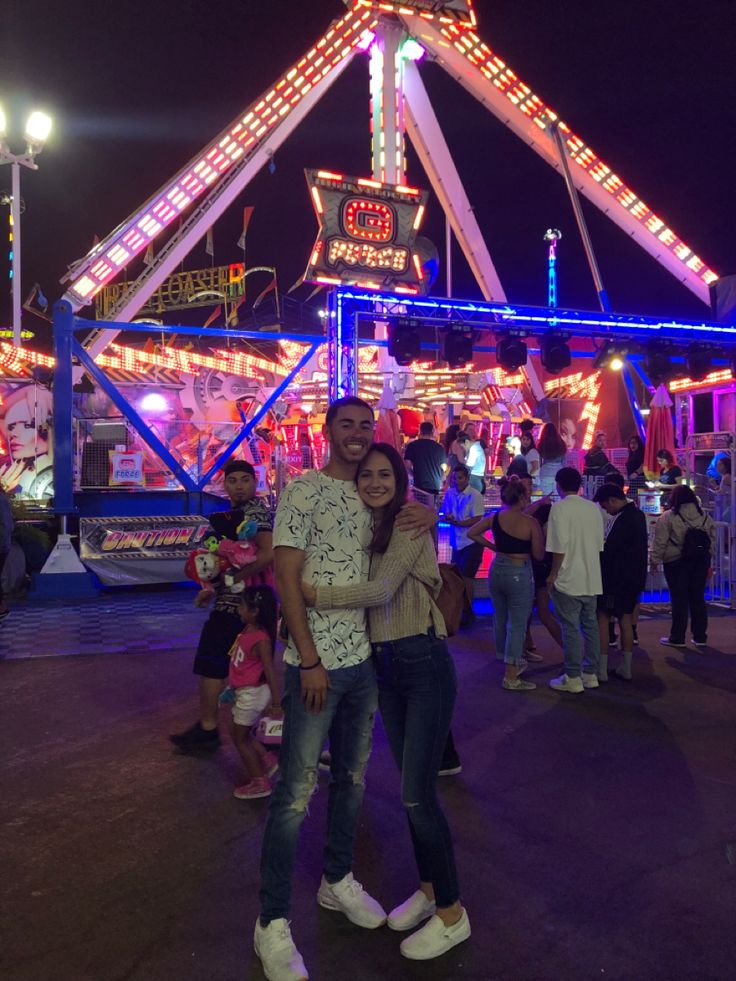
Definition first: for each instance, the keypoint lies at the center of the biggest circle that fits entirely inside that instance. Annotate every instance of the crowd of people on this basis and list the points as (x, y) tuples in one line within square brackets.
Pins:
[(357, 577)]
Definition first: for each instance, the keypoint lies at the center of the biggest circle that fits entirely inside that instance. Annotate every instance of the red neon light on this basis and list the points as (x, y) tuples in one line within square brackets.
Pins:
[(371, 221), (326, 175)]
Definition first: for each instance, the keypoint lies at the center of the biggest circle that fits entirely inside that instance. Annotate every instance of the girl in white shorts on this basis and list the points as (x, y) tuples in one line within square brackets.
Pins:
[(252, 677)]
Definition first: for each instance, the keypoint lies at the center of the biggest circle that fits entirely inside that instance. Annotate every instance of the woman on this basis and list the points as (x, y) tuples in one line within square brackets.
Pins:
[(685, 573), (540, 570), (635, 463), (451, 450), (723, 491), (552, 451), (416, 693), (531, 455), (517, 538)]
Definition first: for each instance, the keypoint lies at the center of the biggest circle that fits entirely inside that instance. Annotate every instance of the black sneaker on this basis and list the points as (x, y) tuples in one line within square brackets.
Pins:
[(196, 738), (450, 768), (611, 633)]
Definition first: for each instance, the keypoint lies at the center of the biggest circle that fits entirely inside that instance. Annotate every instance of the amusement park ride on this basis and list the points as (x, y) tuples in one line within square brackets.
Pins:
[(369, 251)]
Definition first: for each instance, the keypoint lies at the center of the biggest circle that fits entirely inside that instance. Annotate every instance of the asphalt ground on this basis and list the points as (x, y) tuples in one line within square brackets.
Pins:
[(595, 833)]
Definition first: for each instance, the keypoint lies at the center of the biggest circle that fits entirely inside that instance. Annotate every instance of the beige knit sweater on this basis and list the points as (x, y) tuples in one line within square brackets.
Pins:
[(396, 595)]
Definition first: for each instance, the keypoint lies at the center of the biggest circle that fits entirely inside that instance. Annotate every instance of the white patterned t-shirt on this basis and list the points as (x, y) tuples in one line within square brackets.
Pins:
[(324, 518)]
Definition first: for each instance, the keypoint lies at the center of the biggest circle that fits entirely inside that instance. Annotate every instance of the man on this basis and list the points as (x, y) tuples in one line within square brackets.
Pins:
[(463, 507), (624, 573), (475, 460), (223, 625), (322, 533), (426, 461), (596, 463), (575, 540)]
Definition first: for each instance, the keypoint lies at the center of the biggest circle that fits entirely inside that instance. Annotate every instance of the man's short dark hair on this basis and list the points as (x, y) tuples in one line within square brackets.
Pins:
[(426, 429), (614, 476), (609, 491), (568, 479), (348, 400), (461, 468), (239, 466)]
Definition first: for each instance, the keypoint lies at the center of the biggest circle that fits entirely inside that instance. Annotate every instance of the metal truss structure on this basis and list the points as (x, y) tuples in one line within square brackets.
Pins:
[(67, 348)]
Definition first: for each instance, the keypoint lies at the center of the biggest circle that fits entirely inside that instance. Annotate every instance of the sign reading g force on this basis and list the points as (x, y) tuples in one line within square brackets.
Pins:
[(367, 233)]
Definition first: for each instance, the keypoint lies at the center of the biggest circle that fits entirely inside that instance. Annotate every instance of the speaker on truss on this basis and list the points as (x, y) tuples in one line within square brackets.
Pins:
[(405, 340), (457, 346), (723, 299)]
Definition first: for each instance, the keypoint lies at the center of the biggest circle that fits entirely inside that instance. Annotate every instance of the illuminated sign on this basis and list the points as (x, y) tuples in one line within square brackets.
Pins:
[(141, 537), (183, 290), (126, 469), (367, 233)]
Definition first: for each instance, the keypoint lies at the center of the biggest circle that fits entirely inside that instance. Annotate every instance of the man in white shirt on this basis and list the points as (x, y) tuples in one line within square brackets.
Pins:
[(475, 461), (575, 539), (463, 507)]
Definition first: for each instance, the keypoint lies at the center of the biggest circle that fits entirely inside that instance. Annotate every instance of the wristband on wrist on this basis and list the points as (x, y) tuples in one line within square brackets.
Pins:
[(311, 666)]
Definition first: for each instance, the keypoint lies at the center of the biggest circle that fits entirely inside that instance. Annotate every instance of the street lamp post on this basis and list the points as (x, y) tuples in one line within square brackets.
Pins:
[(37, 132)]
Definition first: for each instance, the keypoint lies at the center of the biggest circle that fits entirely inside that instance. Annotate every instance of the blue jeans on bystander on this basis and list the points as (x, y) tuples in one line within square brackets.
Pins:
[(417, 685), (512, 590), (348, 719), (577, 613)]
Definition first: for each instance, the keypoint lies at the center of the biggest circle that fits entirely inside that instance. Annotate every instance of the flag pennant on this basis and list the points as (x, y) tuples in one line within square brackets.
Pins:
[(213, 316), (148, 259), (247, 215), (296, 285), (209, 246), (261, 296)]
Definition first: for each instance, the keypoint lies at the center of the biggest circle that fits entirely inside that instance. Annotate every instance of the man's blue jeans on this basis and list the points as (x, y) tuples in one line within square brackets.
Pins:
[(416, 694), (511, 586), (577, 613), (347, 718)]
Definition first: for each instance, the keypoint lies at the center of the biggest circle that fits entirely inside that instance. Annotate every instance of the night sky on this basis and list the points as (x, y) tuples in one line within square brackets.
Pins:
[(136, 89)]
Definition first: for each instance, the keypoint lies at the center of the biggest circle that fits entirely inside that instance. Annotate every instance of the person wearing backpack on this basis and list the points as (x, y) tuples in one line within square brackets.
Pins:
[(684, 544)]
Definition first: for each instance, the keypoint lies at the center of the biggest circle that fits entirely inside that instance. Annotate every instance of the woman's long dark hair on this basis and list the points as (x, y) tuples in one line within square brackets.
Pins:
[(262, 599), (451, 436), (681, 495), (384, 528), (551, 445)]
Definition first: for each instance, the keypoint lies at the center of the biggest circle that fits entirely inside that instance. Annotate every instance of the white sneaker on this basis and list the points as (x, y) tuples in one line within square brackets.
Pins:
[(350, 898), (565, 683), (280, 959), (435, 938), (411, 913), (590, 680)]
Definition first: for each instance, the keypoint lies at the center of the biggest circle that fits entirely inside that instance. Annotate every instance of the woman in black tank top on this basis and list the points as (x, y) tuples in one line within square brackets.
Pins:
[(517, 538)]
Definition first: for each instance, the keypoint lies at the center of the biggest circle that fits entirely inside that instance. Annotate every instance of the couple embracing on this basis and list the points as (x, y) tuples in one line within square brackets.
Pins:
[(346, 542)]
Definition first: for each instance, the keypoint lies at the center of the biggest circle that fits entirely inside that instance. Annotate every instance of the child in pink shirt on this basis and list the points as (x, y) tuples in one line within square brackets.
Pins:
[(252, 677)]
